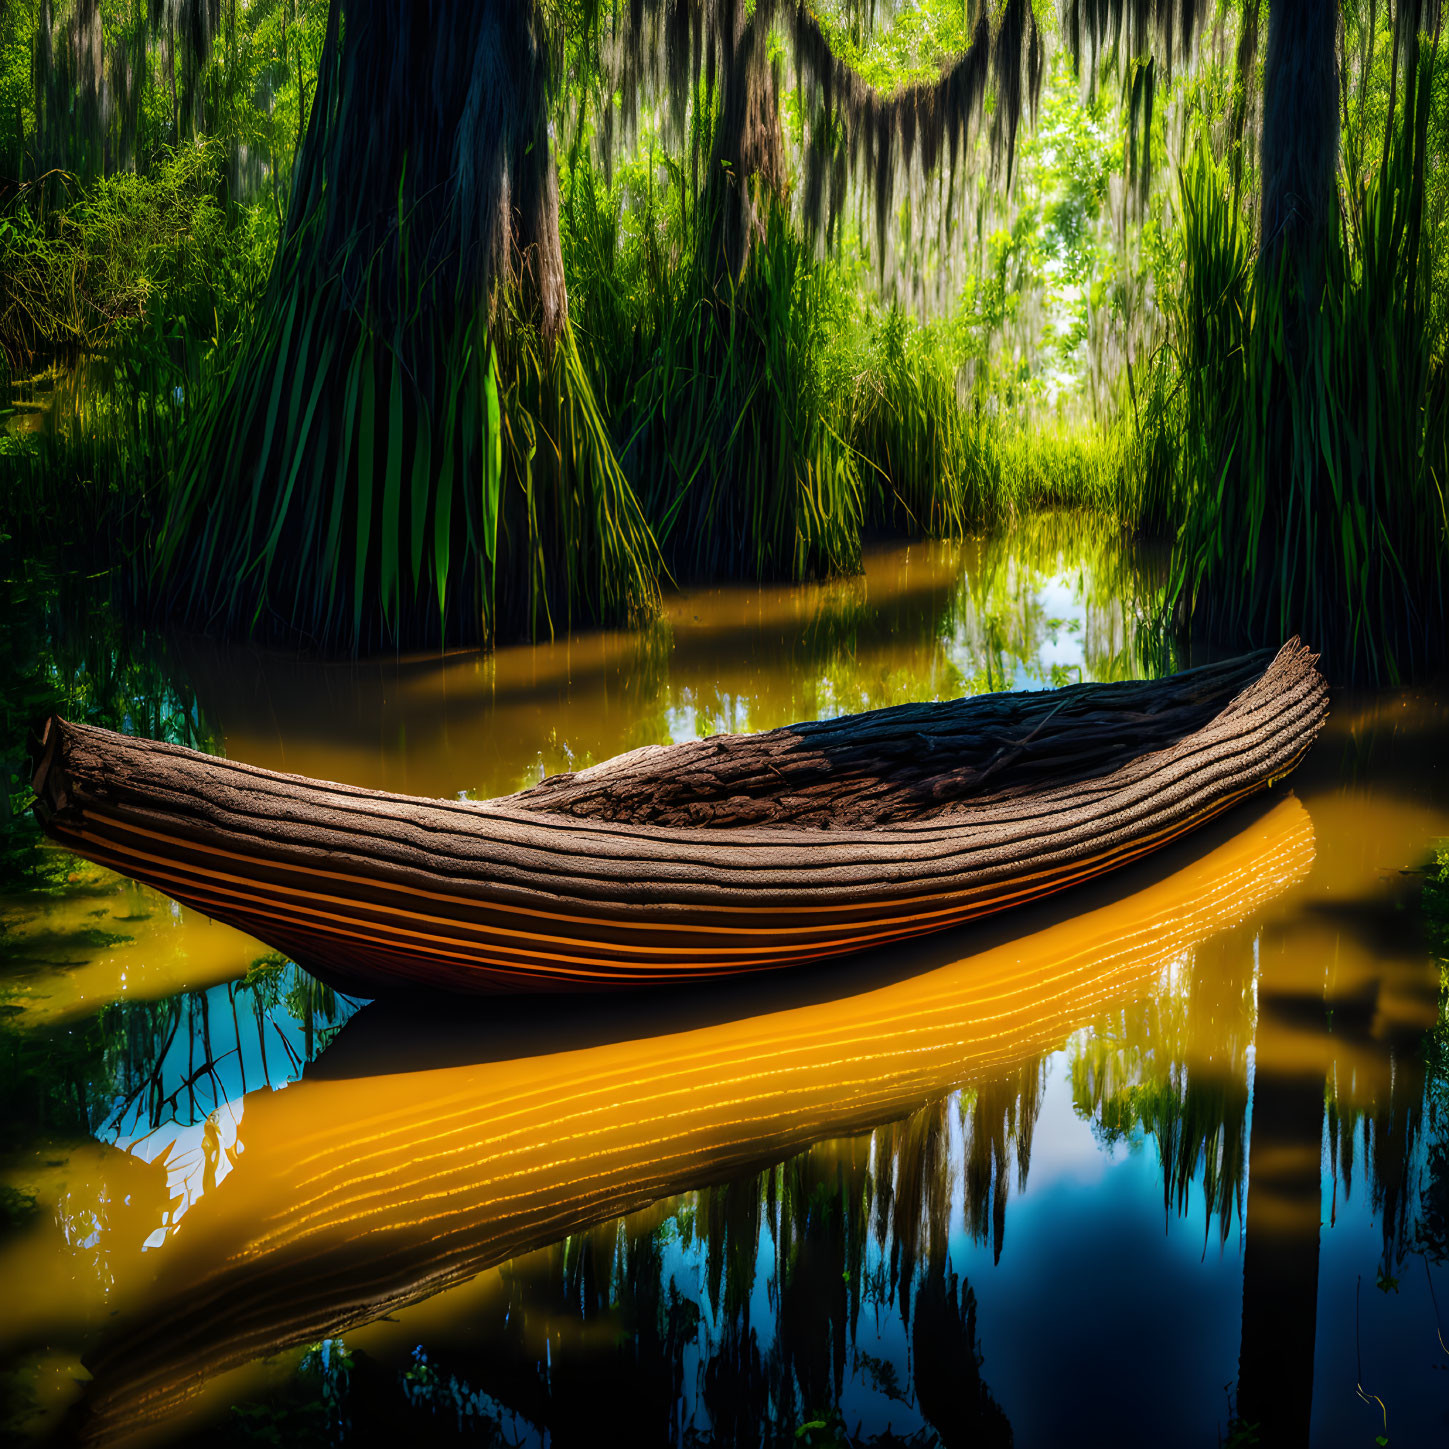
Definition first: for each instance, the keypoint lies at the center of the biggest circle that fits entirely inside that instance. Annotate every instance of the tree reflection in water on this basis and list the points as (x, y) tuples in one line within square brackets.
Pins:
[(821, 1297), (735, 1315), (165, 1080), (822, 1290)]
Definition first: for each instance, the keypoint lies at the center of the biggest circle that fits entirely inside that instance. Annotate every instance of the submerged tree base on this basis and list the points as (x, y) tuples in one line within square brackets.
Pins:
[(473, 497), (1311, 445), (406, 450)]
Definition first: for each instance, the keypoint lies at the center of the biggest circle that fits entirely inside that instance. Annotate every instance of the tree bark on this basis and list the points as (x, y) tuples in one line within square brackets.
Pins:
[(1299, 148), (901, 764), (747, 166), (428, 149), (407, 450), (994, 801)]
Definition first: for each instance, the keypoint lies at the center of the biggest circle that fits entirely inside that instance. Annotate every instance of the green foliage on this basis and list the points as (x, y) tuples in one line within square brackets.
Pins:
[(1436, 904), (718, 393), (81, 487), (919, 40), (16, 90), (767, 422), (759, 426), (909, 428), (944, 464), (260, 82), (241, 76), (763, 425), (1307, 446), (356, 489), (182, 219), (1041, 316), (125, 247)]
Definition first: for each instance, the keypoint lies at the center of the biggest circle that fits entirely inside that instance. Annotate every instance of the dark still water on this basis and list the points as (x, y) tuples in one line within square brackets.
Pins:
[(1164, 1161)]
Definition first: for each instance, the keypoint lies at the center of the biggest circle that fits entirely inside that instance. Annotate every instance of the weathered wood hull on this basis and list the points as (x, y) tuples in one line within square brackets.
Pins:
[(724, 856)]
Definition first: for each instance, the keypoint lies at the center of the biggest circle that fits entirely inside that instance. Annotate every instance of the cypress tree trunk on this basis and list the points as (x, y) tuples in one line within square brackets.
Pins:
[(409, 450), (747, 167), (428, 146), (1299, 148)]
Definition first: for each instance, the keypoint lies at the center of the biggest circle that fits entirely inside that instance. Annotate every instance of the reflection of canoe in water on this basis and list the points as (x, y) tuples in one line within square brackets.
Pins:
[(724, 855), (357, 1197)]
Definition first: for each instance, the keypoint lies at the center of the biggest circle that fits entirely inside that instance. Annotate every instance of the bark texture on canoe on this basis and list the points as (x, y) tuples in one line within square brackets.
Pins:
[(731, 854)]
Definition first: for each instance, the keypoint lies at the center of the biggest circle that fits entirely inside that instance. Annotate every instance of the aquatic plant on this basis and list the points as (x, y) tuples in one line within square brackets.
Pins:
[(912, 434), (1311, 444), (404, 446), (763, 210), (719, 392), (494, 505)]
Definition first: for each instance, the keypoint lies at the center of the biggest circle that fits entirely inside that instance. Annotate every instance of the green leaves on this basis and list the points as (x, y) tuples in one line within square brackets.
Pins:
[(366, 454), (324, 494), (1310, 436), (390, 539), (492, 456)]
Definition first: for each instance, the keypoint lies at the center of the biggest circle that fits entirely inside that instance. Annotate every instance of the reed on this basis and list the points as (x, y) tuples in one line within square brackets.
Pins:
[(925, 456), (80, 487), (399, 488), (719, 390), (1311, 442), (768, 422)]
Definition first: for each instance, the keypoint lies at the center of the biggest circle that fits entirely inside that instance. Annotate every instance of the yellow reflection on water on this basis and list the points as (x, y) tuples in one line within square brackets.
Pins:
[(359, 1194), (100, 938), (924, 621)]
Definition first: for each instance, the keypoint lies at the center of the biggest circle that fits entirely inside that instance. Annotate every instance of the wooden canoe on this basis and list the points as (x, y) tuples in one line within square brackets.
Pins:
[(726, 855)]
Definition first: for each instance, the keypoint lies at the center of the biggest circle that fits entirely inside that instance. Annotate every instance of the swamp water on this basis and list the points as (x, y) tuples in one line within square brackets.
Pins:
[(1154, 1162)]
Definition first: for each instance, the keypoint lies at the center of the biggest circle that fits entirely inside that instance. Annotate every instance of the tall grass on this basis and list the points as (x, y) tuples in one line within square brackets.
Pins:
[(768, 422), (923, 452), (358, 489), (719, 392), (323, 474), (1311, 443), (944, 460)]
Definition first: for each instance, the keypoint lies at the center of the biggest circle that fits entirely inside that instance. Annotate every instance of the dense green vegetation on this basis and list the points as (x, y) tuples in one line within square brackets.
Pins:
[(1309, 434), (721, 289)]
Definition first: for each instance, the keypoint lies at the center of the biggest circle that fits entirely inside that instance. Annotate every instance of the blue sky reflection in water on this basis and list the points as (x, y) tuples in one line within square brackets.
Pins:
[(1089, 1222), (999, 1188)]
